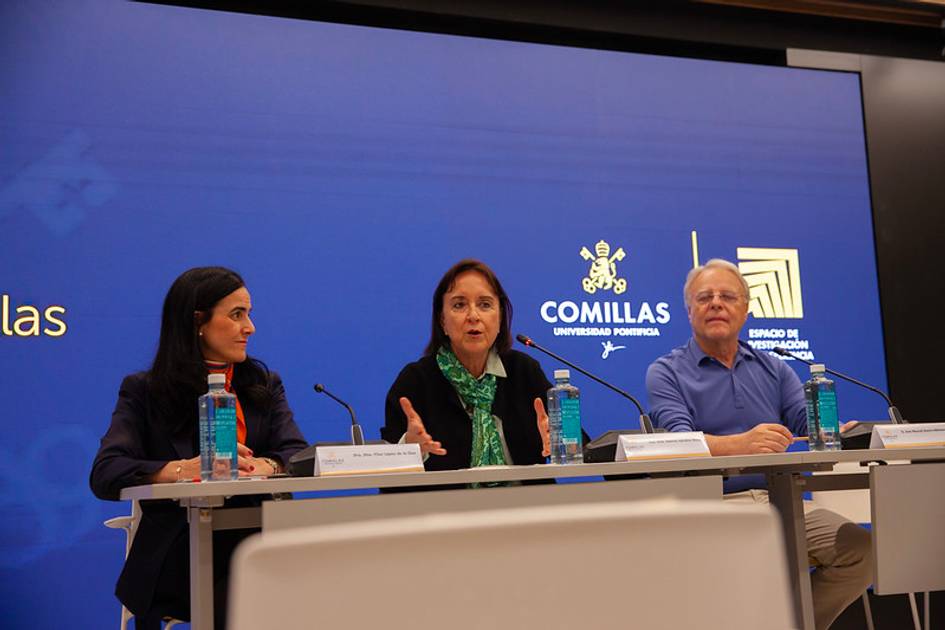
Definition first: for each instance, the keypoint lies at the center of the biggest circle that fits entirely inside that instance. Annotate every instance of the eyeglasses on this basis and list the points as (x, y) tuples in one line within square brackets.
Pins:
[(482, 306), (704, 298)]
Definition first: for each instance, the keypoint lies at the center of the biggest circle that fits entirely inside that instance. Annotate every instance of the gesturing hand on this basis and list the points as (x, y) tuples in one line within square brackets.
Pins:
[(766, 438), (416, 433), (543, 427)]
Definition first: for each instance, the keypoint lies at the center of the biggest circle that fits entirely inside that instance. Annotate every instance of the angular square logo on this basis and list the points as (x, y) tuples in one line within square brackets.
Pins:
[(774, 282)]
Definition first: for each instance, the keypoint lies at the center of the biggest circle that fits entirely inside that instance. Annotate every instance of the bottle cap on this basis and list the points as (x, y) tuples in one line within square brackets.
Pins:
[(817, 368), (216, 379), (562, 374)]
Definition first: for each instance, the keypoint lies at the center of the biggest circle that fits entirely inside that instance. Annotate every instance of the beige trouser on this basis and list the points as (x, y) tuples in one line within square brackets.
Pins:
[(840, 551)]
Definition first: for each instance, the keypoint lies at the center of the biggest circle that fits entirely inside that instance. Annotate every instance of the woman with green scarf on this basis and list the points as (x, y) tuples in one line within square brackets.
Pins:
[(470, 400)]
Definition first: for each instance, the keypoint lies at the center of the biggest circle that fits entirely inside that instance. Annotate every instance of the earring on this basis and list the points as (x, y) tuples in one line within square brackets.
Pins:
[(200, 333)]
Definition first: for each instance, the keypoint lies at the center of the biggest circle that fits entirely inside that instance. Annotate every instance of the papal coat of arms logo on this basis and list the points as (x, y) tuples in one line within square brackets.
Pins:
[(603, 272)]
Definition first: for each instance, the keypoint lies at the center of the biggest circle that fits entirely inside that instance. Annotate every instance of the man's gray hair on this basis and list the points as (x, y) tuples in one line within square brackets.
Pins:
[(715, 263)]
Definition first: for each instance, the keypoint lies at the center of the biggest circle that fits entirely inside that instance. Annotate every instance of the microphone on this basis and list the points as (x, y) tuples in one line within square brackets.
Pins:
[(357, 435), (894, 414), (645, 423)]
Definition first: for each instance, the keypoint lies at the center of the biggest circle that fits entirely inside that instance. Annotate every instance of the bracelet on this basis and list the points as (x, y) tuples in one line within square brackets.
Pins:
[(180, 467), (272, 464)]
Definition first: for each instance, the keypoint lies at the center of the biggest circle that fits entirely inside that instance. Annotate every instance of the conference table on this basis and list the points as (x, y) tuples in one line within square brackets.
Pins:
[(786, 473)]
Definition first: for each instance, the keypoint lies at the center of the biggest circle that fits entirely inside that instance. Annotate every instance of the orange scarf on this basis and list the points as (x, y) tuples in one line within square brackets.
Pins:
[(240, 418)]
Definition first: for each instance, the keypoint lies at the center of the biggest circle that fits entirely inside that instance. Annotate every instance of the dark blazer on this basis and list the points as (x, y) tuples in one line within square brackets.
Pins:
[(444, 417), (136, 445)]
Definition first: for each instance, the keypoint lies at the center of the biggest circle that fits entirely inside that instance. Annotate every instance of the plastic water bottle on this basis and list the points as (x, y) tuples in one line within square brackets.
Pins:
[(823, 424), (217, 408), (564, 420)]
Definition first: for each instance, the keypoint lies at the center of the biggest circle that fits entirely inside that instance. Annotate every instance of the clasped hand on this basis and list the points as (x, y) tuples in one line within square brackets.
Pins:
[(190, 468), (769, 437)]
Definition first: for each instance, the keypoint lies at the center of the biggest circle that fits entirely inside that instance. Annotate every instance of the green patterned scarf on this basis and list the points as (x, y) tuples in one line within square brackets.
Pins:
[(478, 394)]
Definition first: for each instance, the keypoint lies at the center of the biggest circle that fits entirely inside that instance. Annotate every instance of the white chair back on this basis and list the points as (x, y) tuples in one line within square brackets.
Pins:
[(129, 524), (642, 564)]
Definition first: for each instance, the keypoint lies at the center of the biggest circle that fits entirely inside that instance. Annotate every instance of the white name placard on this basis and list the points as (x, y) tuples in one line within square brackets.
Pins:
[(368, 458), (908, 435), (661, 446)]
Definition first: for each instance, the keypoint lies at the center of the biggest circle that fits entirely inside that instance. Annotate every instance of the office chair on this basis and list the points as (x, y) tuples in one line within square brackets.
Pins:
[(130, 525)]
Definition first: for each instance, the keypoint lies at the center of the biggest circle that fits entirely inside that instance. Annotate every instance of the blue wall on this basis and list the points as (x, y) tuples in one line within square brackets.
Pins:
[(341, 170)]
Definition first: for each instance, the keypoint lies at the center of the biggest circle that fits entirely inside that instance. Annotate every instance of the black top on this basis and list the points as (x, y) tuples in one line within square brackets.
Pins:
[(446, 420)]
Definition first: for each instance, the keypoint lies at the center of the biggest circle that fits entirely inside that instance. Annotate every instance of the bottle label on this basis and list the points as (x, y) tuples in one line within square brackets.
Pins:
[(827, 410), (224, 428), (570, 420)]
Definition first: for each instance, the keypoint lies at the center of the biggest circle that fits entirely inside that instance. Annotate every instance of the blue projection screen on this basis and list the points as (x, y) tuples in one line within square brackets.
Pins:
[(341, 170)]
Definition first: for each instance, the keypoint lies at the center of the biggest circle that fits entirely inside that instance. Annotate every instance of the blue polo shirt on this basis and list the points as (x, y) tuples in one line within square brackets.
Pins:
[(688, 390)]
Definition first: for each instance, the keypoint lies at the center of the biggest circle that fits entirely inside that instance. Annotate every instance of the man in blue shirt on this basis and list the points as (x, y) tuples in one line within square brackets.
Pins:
[(746, 401)]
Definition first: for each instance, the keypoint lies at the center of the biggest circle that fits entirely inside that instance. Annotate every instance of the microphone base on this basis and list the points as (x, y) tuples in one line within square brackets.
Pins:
[(357, 435), (604, 448), (858, 437), (302, 464), (895, 416)]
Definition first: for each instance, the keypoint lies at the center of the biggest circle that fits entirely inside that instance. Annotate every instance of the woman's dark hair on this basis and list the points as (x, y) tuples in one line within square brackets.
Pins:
[(178, 374), (503, 341)]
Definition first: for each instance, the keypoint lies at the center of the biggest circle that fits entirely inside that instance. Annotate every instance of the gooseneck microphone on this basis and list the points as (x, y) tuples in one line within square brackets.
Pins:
[(357, 435), (894, 414), (645, 423)]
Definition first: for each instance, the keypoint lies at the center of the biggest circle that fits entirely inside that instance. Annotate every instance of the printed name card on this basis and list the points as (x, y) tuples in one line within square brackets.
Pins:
[(368, 458), (661, 446), (908, 435)]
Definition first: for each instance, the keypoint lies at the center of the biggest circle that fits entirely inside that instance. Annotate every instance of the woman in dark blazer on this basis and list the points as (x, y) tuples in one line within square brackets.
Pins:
[(153, 437), (470, 400)]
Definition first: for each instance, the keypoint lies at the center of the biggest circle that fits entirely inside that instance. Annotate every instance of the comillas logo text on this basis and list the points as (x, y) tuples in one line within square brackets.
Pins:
[(28, 321), (575, 317)]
